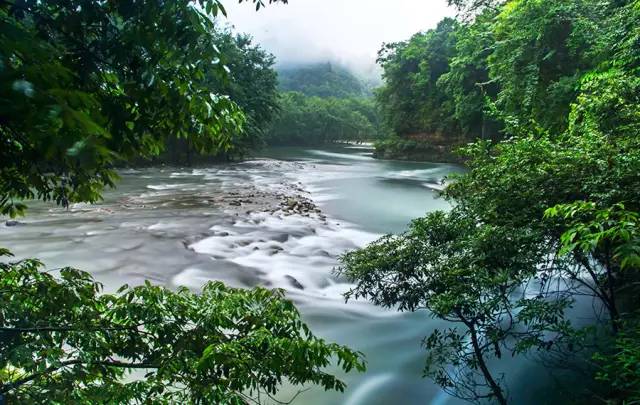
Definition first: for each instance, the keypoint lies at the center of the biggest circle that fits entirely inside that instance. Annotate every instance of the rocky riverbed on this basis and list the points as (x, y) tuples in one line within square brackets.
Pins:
[(245, 224)]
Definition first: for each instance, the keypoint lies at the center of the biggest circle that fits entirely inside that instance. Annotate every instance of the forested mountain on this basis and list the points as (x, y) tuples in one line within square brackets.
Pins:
[(307, 120), (321, 80)]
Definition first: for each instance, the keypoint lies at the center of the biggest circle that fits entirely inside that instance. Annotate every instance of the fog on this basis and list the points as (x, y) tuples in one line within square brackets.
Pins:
[(348, 32)]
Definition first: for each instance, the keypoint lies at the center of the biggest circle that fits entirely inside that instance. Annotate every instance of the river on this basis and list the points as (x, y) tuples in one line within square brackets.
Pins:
[(185, 226)]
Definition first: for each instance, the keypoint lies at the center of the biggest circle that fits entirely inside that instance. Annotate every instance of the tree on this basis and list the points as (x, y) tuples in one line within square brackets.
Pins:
[(541, 51), (612, 233), (219, 346), (469, 8), (467, 83), (89, 84), (410, 100), (495, 257), (251, 83), (462, 273), (515, 66), (254, 85), (619, 367)]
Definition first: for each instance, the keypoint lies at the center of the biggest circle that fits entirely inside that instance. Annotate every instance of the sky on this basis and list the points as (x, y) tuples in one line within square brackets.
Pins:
[(349, 32)]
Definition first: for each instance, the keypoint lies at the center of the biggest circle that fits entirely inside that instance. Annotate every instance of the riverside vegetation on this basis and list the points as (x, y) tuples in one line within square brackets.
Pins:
[(546, 91), (87, 85), (547, 214)]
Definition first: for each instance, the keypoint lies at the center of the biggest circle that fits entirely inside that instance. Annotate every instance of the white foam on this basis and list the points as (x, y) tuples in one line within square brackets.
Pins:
[(340, 155), (162, 187), (414, 174), (282, 247)]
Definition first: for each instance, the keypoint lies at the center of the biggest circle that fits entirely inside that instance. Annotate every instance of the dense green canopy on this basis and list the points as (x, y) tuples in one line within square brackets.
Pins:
[(62, 341), (89, 83), (252, 85), (509, 69), (411, 100)]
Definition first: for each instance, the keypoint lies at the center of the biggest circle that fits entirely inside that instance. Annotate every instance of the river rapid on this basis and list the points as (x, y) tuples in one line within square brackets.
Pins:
[(239, 223)]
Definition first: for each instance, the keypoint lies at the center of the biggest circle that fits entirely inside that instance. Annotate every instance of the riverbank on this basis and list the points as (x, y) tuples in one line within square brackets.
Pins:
[(420, 148)]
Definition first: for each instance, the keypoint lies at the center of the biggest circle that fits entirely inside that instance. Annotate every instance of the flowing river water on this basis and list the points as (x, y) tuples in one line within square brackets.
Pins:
[(186, 226)]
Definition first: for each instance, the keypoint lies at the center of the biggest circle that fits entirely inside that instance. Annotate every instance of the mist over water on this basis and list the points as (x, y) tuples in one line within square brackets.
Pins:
[(185, 226)]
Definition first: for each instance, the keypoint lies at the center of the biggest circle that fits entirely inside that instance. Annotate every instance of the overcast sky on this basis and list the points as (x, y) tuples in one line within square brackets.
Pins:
[(346, 31)]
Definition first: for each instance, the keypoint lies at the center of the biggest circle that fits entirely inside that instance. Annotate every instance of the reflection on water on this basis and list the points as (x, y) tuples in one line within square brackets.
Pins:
[(179, 226)]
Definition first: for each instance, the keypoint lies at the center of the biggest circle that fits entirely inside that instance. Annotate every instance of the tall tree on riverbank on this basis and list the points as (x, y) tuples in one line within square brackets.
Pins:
[(411, 100), (251, 84)]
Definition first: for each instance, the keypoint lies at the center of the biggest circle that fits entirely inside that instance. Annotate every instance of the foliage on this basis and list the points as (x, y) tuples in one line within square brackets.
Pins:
[(427, 149), (467, 83), (513, 69), (220, 346), (514, 183), (251, 83), (541, 50), (505, 194), (459, 272), (87, 85), (620, 369), (592, 229), (469, 8), (410, 100), (305, 120), (91, 83)]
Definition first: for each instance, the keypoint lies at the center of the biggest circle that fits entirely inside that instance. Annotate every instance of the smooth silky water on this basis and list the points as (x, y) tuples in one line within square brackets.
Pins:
[(172, 226)]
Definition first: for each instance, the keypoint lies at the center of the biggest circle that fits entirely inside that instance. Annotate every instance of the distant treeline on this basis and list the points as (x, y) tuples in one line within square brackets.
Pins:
[(311, 120), (323, 103)]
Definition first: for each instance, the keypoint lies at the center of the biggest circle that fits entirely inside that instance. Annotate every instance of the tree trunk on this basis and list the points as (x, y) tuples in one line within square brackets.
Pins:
[(495, 388)]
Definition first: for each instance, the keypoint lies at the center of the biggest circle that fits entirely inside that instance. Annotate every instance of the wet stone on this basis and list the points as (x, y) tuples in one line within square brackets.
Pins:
[(294, 282)]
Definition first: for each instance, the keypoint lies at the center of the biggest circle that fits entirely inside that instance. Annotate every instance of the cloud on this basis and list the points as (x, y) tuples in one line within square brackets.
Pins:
[(345, 31)]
